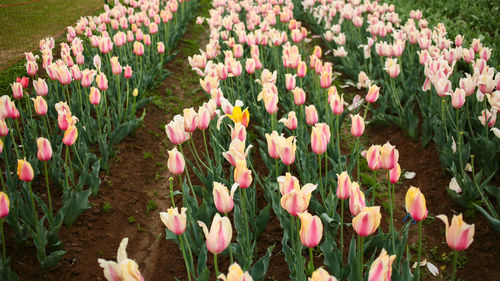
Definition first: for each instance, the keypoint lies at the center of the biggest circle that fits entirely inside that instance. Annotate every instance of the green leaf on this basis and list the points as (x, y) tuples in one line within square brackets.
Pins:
[(125, 129), (202, 262), (353, 260), (76, 202), (259, 270), (262, 220), (495, 224), (53, 259)]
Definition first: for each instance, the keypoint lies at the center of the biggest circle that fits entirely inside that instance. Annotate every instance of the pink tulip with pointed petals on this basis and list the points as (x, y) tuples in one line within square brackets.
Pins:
[(459, 235), (220, 234)]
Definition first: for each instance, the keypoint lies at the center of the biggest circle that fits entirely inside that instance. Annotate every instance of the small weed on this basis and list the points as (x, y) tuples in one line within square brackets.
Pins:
[(131, 219), (147, 155), (155, 193), (106, 208), (158, 237), (101, 253), (140, 228), (151, 206)]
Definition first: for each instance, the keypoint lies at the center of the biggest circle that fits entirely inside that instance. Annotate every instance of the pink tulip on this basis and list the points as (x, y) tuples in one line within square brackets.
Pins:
[(311, 229), (291, 121), (459, 235), (301, 69), (392, 67), (223, 199), (325, 79), (123, 269), (70, 135), (242, 175), (394, 174), (381, 268), (297, 201), (250, 65), (190, 120), (174, 221), (175, 162), (4, 130), (116, 68), (238, 132), (40, 105), (87, 77), (127, 72), (4, 205), (273, 142), (95, 96), (318, 140), (24, 81), (373, 157), (17, 90), (44, 152), (389, 156), (356, 199), (220, 234), (24, 170), (299, 96), (175, 130), (415, 204), (357, 125), (138, 48), (337, 104), (102, 81), (373, 94), (31, 68), (160, 47), (289, 81), (41, 87), (287, 183), (76, 73), (458, 98), (64, 75), (203, 118), (311, 115), (367, 221), (343, 185), (287, 148)]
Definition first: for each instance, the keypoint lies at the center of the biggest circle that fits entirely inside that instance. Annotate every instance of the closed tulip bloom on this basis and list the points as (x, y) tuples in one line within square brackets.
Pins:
[(289, 81), (24, 170), (160, 47), (367, 221), (220, 234), (291, 121), (321, 274), (138, 48), (458, 98), (242, 175), (287, 148), (102, 81), (273, 142), (175, 162), (223, 199), (389, 156), (357, 125), (4, 205), (40, 105), (127, 72), (174, 221), (203, 118), (4, 129), (311, 229), (459, 235), (288, 183), (250, 65), (235, 274), (299, 96), (31, 68), (343, 185), (325, 79), (311, 115), (415, 204), (87, 77), (373, 157), (70, 135), (63, 75), (116, 68), (44, 152), (356, 199), (41, 87), (190, 120), (94, 96), (373, 93), (17, 90), (392, 67), (1, 146), (302, 69), (381, 268), (236, 151), (395, 173), (123, 269), (337, 104), (318, 140), (297, 201), (175, 130), (238, 132)]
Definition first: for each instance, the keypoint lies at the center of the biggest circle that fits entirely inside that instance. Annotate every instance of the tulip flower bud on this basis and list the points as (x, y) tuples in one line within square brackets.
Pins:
[(273, 142), (31, 68), (116, 68), (325, 79), (299, 96), (174, 221), (94, 96), (318, 140), (160, 47), (321, 275), (458, 98), (337, 104), (102, 81), (287, 148), (41, 87), (24, 170), (4, 130), (175, 130), (220, 234), (223, 200), (302, 69), (203, 118), (356, 199), (235, 274), (415, 204), (373, 93), (389, 156), (242, 175), (70, 135), (373, 157), (357, 125), (127, 72), (311, 229), (40, 105), (311, 115), (290, 81), (395, 173), (17, 90), (381, 268), (190, 120), (4, 205), (343, 185), (288, 183), (459, 235), (175, 162), (44, 152), (250, 65), (367, 221), (291, 122)]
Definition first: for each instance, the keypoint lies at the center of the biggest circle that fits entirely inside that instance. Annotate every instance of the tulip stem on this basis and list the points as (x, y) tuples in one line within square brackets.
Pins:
[(300, 273), (190, 255), (195, 153), (206, 149), (338, 141), (4, 252), (33, 202), (48, 188), (391, 211), (360, 261), (20, 136), (419, 253), (321, 190), (185, 257), (454, 265), (171, 189), (277, 166), (216, 266), (341, 236), (189, 179), (247, 231), (310, 266), (13, 140), (356, 148)]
